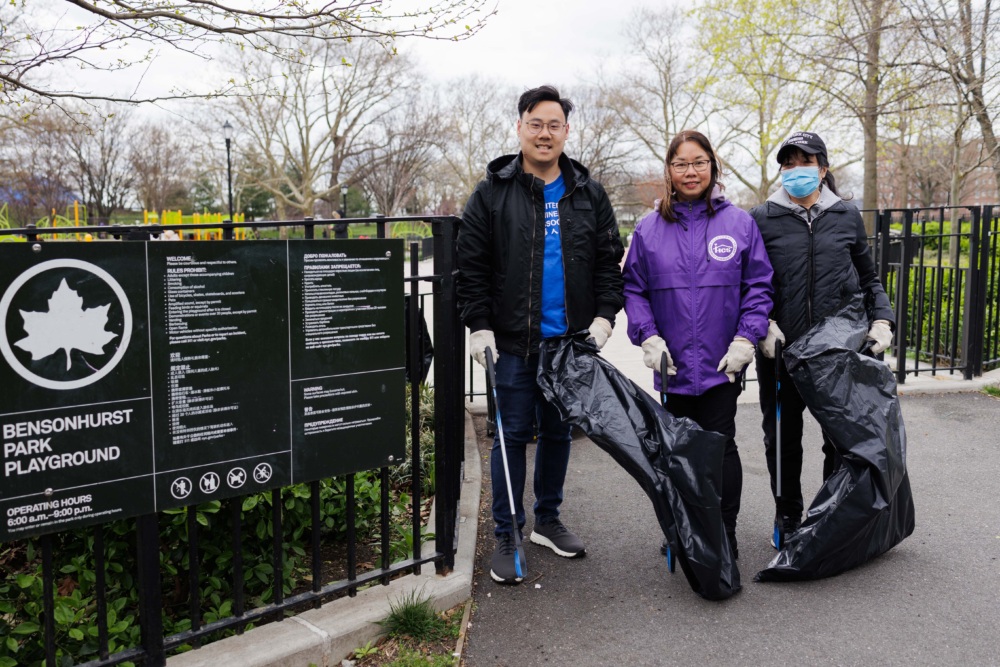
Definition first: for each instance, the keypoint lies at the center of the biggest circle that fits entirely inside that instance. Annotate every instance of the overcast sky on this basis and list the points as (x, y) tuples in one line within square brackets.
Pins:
[(526, 43), (529, 42)]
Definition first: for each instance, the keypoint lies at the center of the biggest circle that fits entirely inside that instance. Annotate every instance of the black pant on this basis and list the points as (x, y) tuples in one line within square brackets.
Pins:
[(715, 410), (792, 407)]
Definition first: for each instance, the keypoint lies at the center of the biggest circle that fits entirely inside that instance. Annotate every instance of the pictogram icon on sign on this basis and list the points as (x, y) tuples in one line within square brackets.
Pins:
[(236, 478), (181, 488)]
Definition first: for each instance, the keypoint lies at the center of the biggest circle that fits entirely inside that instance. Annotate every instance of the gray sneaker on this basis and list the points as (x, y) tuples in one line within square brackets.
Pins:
[(503, 567), (554, 535)]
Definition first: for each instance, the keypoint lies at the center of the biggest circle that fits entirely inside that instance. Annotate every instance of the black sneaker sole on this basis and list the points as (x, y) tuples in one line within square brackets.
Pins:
[(546, 542)]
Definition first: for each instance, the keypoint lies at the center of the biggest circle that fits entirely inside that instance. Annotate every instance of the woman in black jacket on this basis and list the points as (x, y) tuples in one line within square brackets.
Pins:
[(819, 250)]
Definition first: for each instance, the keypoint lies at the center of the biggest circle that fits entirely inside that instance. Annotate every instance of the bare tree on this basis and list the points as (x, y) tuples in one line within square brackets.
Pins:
[(159, 163), (302, 133), (34, 173), (864, 57), (656, 96), (481, 114), (962, 47), (393, 172), (43, 44), (99, 155), (595, 140)]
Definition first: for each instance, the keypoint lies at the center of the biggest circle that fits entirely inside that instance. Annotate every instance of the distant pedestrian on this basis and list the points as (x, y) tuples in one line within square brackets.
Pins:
[(698, 289), (538, 256), (819, 250)]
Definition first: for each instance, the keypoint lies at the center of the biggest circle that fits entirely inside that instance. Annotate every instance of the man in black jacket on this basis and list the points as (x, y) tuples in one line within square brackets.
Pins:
[(538, 256)]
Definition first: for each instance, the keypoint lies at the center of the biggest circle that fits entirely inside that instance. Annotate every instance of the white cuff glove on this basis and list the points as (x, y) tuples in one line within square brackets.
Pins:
[(600, 331), (652, 351), (739, 355), (478, 342), (881, 335), (773, 334)]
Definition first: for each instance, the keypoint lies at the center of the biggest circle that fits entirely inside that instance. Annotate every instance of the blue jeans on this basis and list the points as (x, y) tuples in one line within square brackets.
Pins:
[(519, 404)]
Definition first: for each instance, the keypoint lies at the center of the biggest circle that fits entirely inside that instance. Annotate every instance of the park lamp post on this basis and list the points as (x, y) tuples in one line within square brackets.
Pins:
[(227, 132), (343, 193)]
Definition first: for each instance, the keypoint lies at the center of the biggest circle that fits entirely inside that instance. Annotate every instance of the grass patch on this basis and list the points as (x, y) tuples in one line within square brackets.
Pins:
[(416, 634), (992, 390)]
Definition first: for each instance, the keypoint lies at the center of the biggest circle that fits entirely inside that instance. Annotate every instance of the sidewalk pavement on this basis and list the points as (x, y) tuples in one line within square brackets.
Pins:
[(929, 601)]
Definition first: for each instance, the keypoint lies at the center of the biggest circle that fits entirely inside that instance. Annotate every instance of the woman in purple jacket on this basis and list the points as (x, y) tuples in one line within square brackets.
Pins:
[(698, 287)]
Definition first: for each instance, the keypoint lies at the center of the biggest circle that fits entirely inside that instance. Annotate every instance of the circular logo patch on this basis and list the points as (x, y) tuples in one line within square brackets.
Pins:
[(64, 324), (722, 248)]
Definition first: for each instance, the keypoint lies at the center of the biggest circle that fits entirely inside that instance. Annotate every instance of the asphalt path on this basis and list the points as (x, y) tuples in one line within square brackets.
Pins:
[(932, 600)]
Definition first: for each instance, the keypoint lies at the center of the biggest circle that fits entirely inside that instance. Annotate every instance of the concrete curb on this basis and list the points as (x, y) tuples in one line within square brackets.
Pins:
[(323, 637)]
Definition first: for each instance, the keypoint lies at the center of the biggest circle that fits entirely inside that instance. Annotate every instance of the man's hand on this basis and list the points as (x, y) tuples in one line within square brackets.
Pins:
[(652, 351), (739, 355), (881, 335), (773, 334), (478, 342), (600, 331)]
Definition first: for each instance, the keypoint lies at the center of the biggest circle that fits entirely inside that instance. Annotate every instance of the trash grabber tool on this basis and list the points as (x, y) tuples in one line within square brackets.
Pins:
[(779, 529), (667, 550), (520, 562)]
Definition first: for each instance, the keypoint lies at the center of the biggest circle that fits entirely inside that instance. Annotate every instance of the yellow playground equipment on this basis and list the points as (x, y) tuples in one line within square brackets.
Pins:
[(168, 218)]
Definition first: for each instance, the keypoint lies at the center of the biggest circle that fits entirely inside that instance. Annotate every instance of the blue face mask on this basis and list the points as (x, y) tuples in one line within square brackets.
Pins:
[(800, 182)]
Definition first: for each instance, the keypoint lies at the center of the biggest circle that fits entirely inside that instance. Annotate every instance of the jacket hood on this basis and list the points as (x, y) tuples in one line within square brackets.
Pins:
[(698, 206), (511, 167), (827, 200)]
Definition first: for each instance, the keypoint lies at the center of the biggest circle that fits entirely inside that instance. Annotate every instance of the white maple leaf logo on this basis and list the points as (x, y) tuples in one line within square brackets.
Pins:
[(67, 326)]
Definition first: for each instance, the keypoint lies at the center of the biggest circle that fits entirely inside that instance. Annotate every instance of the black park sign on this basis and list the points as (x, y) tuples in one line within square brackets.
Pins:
[(136, 377)]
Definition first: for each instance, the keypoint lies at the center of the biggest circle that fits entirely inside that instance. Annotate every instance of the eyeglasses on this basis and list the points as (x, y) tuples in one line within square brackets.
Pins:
[(681, 167), (535, 126)]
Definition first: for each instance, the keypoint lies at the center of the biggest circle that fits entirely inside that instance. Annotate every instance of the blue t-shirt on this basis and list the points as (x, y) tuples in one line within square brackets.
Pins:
[(553, 280)]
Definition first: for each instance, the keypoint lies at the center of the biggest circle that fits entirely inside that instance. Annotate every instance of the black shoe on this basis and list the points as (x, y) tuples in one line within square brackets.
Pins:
[(503, 567), (554, 535), (788, 524)]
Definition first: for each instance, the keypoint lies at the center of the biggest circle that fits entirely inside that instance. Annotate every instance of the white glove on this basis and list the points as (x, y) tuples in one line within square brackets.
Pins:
[(773, 334), (478, 342), (652, 351), (881, 335), (739, 355), (600, 331)]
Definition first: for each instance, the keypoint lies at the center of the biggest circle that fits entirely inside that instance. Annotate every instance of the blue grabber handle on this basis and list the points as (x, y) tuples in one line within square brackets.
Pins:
[(671, 564), (520, 562)]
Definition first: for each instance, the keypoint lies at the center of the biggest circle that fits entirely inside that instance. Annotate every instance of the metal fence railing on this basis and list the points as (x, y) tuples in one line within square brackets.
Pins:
[(941, 270), (147, 598)]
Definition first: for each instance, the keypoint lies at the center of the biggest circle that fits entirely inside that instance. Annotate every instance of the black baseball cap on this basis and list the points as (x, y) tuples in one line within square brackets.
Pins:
[(807, 142)]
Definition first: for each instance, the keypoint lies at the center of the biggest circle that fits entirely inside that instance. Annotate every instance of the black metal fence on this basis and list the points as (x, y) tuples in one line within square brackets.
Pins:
[(941, 269), (207, 616)]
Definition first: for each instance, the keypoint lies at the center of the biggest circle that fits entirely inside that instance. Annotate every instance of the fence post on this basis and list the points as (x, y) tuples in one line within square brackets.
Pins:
[(882, 234), (975, 296), (150, 599), (308, 228), (449, 422), (903, 297)]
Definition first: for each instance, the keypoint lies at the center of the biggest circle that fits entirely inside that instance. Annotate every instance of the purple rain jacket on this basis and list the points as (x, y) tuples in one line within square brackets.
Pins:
[(697, 283)]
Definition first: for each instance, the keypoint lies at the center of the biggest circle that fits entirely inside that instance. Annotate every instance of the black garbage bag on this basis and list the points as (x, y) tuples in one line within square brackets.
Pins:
[(865, 507), (424, 343), (677, 464)]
